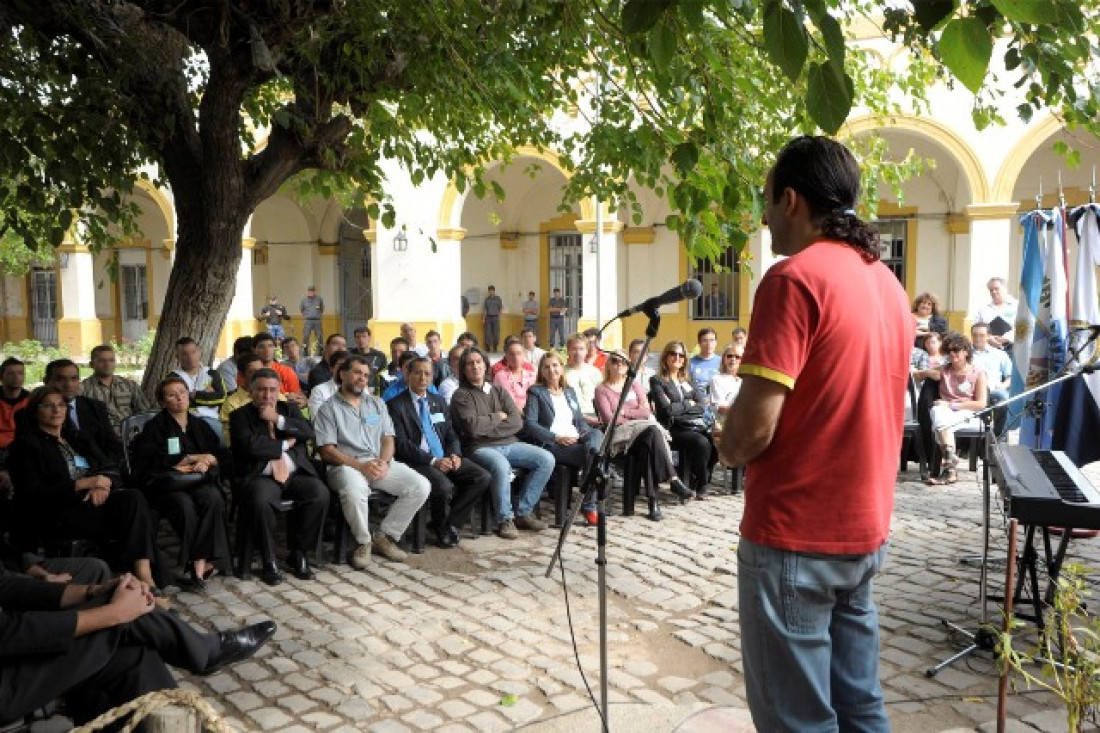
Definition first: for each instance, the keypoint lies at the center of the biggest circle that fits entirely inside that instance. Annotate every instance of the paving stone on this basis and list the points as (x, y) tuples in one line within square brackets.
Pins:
[(296, 704), (270, 718), (389, 726), (423, 720), (481, 698), (222, 683), (676, 684), (245, 700), (489, 722)]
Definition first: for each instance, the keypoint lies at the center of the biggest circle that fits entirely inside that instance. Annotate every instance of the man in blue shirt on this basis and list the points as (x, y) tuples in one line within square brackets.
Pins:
[(998, 370), (705, 364)]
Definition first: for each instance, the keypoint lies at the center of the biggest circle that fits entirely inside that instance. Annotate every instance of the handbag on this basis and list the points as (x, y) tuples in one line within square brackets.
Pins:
[(694, 418), (173, 480), (625, 434)]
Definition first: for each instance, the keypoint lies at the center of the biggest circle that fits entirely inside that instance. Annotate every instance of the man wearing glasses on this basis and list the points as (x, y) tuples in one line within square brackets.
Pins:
[(821, 451)]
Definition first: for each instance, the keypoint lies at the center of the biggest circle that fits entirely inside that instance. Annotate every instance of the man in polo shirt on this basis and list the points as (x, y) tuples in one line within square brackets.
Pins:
[(122, 396), (355, 436), (821, 452)]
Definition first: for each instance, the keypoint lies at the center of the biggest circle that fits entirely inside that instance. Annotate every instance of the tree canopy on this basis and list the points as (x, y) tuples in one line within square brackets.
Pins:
[(695, 96)]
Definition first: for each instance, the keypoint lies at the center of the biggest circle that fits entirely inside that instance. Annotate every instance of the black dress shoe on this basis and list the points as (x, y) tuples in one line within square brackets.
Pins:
[(271, 574), (299, 565), (446, 536), (452, 535), (682, 492), (240, 644)]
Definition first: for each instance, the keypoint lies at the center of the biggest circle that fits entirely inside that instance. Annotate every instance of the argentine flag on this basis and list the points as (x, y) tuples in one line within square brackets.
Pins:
[(1077, 426)]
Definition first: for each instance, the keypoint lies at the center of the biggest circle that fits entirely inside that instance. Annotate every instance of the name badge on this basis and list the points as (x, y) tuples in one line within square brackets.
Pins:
[(438, 417), (371, 420), (80, 462), (173, 446)]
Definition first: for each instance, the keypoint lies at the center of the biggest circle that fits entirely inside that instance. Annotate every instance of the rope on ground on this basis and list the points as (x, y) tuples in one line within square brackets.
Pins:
[(139, 708)]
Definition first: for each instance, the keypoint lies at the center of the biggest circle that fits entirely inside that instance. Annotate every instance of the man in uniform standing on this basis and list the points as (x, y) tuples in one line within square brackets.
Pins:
[(492, 308), (558, 309), (312, 308)]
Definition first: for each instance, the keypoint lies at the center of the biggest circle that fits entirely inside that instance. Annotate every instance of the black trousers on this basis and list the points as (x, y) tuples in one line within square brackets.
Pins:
[(124, 519), (699, 456), (454, 495), (106, 668), (262, 496), (648, 449), (197, 514)]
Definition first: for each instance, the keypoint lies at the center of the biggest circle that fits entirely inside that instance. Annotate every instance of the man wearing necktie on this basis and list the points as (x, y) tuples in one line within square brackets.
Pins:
[(268, 438), (427, 443), (86, 416)]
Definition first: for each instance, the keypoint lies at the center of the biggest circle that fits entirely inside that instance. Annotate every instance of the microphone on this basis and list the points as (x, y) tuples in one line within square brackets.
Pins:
[(689, 290)]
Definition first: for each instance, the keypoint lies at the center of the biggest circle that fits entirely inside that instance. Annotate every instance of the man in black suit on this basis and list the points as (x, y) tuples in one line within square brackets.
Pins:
[(268, 438), (86, 415), (99, 643), (428, 444)]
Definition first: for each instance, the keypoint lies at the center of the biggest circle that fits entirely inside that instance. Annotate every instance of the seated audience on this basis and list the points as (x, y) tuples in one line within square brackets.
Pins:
[(263, 345), (553, 421), (392, 372), (704, 365), (66, 487), (85, 415), (99, 643), (518, 374), (321, 372), (918, 363), (375, 358), (531, 352), (228, 368), (408, 332), (927, 318), (998, 371), (638, 434), (488, 424), (582, 376), (400, 382), (426, 441), (272, 464), (595, 356), (247, 366), (12, 398), (176, 460), (936, 357), (123, 397), (450, 383), (644, 372), (355, 436), (466, 340), (725, 385), (681, 409), (441, 368), (739, 337), (293, 359), (205, 388), (322, 393), (963, 391)]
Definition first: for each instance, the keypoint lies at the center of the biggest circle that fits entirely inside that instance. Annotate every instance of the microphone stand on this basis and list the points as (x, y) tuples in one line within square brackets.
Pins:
[(595, 481)]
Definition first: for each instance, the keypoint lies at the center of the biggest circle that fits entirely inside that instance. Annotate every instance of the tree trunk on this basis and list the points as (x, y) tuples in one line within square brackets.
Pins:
[(200, 290)]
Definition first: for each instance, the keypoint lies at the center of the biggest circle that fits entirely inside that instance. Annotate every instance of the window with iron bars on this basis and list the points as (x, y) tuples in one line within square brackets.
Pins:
[(721, 281)]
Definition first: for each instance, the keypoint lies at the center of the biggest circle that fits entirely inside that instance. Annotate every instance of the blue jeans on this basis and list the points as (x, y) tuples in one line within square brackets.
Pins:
[(498, 460), (277, 333), (809, 640)]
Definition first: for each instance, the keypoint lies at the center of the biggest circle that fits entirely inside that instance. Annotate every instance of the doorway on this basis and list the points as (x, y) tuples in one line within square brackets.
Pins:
[(567, 273), (135, 302), (44, 306)]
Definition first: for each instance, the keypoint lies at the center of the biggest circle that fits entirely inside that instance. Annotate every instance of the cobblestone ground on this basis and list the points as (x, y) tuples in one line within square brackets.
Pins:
[(476, 639)]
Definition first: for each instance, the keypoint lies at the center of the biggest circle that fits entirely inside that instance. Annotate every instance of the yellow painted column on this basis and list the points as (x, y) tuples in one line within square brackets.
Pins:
[(981, 254), (78, 329)]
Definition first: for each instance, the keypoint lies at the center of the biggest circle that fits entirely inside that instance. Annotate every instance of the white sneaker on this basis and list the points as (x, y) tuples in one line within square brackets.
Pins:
[(360, 559)]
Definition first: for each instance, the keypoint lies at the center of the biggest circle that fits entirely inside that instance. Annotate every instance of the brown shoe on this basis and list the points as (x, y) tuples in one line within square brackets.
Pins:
[(387, 548), (530, 523), (506, 530), (360, 559)]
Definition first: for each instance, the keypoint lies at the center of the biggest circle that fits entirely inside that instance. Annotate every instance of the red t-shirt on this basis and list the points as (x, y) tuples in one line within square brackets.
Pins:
[(836, 331)]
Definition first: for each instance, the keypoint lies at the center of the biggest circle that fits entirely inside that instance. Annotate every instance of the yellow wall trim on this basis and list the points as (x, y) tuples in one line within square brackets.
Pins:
[(991, 211), (166, 248), (79, 336), (957, 224), (248, 242), (1004, 183), (454, 234), (73, 248), (331, 250), (958, 321), (371, 235), (509, 240), (588, 226), (639, 235)]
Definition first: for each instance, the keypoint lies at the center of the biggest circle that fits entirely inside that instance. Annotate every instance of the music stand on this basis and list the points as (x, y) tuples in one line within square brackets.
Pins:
[(985, 636), (595, 481)]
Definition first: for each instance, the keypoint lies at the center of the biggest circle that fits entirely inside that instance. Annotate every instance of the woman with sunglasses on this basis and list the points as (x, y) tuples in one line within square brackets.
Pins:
[(963, 391), (65, 487), (649, 445), (725, 385), (552, 419), (682, 410)]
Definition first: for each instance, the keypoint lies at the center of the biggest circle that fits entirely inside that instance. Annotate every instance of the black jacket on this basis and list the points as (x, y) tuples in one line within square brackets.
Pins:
[(538, 416), (671, 403), (253, 445), (406, 426), (31, 619), (149, 455), (95, 426)]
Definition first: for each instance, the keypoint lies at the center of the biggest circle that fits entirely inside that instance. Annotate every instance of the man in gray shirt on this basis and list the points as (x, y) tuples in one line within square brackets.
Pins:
[(312, 308), (531, 314), (492, 308), (355, 436), (558, 309)]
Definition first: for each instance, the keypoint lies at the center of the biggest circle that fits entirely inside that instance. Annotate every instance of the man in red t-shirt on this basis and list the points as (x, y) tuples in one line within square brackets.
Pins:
[(818, 422)]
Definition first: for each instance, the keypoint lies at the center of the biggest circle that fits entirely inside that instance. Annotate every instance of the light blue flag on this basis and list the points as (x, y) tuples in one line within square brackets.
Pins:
[(1031, 285)]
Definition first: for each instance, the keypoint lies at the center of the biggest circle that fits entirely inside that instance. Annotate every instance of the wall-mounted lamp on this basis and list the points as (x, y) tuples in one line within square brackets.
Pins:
[(400, 241)]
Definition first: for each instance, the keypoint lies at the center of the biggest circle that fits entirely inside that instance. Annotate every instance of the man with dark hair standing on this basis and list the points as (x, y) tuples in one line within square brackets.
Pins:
[(531, 314), (557, 308), (492, 307), (810, 638), (312, 308)]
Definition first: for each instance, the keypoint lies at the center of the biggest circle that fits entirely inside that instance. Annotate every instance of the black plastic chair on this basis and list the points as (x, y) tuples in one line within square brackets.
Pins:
[(912, 441)]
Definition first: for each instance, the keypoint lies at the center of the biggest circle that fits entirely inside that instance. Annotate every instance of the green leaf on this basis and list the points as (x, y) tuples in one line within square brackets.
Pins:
[(1036, 12), (833, 37), (662, 44), (509, 700), (684, 157), (828, 96), (692, 10), (965, 48), (785, 40), (640, 15), (930, 13)]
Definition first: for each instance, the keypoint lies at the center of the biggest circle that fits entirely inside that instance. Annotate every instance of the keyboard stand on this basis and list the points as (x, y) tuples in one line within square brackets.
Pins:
[(1029, 571)]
